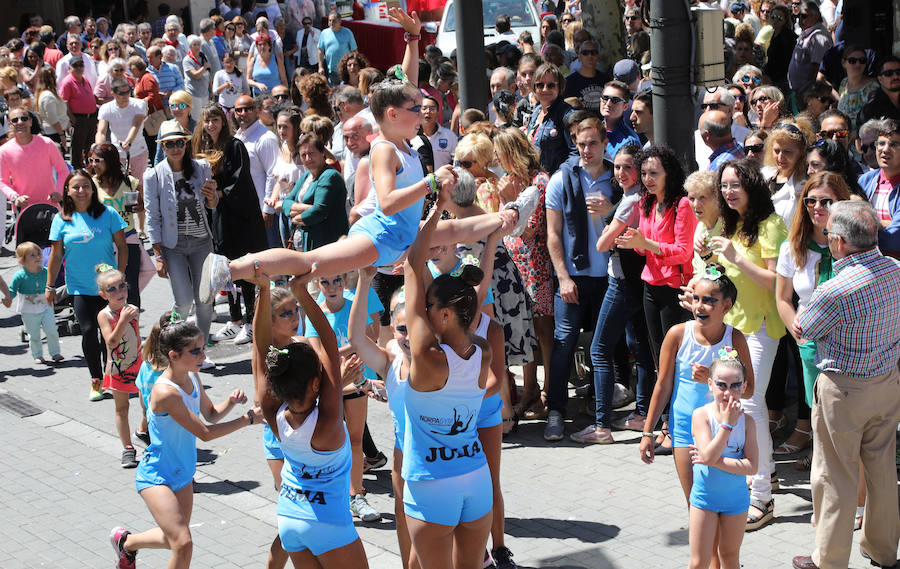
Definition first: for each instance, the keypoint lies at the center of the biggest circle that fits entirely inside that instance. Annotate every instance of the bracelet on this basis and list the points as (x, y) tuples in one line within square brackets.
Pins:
[(645, 434), (727, 427), (48, 287), (250, 415), (706, 257), (408, 37), (431, 182), (359, 384)]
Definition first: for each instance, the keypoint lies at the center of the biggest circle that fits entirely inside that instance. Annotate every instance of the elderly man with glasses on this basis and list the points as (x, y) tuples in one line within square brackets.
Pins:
[(812, 43)]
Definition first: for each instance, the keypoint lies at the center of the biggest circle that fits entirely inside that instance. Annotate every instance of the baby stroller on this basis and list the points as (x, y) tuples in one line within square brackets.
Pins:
[(33, 224)]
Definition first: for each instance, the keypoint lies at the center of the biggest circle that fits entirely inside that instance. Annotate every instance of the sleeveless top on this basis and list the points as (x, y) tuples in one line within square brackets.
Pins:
[(441, 436), (315, 484), (405, 223), (396, 395), (688, 394), (125, 359), (482, 329), (713, 488), (173, 449), (268, 75)]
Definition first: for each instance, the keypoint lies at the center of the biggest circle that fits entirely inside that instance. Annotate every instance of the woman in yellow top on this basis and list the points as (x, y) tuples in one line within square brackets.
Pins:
[(752, 234)]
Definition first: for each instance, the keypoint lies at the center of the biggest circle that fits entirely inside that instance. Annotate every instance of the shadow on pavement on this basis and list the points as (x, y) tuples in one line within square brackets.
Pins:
[(225, 487), (587, 532), (590, 559)]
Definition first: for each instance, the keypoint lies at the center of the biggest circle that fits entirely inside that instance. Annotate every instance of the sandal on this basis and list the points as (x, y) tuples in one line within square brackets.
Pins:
[(773, 480), (787, 448), (804, 464), (659, 447), (510, 424), (776, 426), (766, 515), (857, 521)]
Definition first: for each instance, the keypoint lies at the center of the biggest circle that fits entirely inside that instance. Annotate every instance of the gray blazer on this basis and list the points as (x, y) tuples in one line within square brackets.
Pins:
[(161, 202)]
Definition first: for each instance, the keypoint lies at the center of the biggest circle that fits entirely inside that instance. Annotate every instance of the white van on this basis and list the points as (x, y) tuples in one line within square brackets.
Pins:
[(523, 16)]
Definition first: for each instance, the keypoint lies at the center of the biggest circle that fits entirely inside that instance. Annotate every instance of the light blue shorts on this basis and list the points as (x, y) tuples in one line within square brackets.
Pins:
[(390, 248), (317, 537), (271, 445), (490, 415), (449, 501)]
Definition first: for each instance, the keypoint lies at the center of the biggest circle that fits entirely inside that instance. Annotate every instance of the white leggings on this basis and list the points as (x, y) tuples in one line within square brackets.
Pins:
[(762, 355)]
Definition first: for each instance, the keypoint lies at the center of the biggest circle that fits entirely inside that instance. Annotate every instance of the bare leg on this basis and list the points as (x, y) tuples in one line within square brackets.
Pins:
[(275, 465), (351, 555), (702, 532), (355, 416), (121, 400), (305, 560), (354, 252), (465, 230), (434, 543), (407, 554), (492, 442), (730, 534), (278, 557), (685, 471), (172, 512), (469, 542), (543, 329)]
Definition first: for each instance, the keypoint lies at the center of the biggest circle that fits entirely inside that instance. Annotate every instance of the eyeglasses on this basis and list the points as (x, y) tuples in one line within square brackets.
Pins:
[(590, 52), (837, 133), (16, 120), (711, 106), (866, 148), (170, 144), (733, 186), (123, 92), (728, 386), (177, 106), (611, 99), (244, 109), (855, 60), (196, 351), (761, 99), (750, 79), (630, 18), (567, 20), (812, 202), (281, 97), (464, 163), (95, 160), (754, 148), (113, 289), (289, 313), (550, 85), (890, 72), (892, 144), (777, 18), (825, 100)]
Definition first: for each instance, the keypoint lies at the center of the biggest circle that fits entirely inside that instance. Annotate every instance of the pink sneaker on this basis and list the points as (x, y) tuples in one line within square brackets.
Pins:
[(593, 435), (124, 559), (631, 423)]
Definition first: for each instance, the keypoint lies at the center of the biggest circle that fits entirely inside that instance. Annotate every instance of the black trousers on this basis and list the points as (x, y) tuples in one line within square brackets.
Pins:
[(86, 310), (84, 130)]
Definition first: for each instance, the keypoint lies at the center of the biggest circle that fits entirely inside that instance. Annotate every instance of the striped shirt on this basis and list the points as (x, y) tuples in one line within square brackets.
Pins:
[(855, 316), (168, 78)]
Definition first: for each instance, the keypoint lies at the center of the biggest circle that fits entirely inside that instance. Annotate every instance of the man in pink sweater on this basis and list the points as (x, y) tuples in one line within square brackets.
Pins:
[(32, 170)]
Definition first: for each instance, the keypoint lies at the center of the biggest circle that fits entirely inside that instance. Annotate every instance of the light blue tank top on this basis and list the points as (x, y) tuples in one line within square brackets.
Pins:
[(436, 272), (405, 223), (441, 436), (268, 76), (315, 485), (688, 394), (396, 395), (172, 453)]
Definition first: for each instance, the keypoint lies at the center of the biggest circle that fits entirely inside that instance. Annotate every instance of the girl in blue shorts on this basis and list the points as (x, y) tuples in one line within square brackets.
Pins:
[(724, 454), (167, 467), (687, 352), (382, 237), (447, 496), (304, 407)]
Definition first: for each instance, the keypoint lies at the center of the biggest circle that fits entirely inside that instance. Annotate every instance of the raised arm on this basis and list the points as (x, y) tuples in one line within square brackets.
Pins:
[(371, 353), (413, 26)]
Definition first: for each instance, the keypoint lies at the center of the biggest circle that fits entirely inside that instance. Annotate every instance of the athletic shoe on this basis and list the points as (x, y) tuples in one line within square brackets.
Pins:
[(360, 508), (503, 558), (143, 437), (227, 332), (593, 435), (555, 428), (129, 458), (622, 396), (216, 276), (374, 463), (207, 365), (245, 336), (96, 391), (124, 559), (630, 423), (488, 563)]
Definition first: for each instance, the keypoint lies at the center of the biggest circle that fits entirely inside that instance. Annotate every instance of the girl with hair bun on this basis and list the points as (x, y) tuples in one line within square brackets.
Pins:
[(447, 497), (166, 472)]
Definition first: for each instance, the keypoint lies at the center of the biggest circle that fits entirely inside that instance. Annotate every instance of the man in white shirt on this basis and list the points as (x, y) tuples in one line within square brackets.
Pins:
[(123, 117), (262, 147), (443, 141), (348, 102), (719, 100), (73, 43), (356, 134)]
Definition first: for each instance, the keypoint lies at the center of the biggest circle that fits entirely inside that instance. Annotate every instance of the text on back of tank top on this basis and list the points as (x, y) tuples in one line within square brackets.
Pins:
[(447, 454), (300, 495)]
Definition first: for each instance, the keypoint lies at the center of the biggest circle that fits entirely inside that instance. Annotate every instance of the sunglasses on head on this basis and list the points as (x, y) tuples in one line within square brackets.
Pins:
[(812, 202), (177, 143), (754, 148), (550, 85), (113, 289), (611, 99), (177, 106), (855, 60), (840, 133)]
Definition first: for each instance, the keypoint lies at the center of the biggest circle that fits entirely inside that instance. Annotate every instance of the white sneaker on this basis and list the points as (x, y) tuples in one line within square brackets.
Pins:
[(207, 365), (228, 332), (245, 335)]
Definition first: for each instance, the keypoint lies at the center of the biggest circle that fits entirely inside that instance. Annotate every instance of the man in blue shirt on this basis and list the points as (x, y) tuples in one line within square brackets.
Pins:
[(334, 43), (579, 195), (715, 130), (613, 101), (166, 74)]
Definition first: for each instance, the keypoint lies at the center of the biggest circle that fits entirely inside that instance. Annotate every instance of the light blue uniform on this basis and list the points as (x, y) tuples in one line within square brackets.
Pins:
[(436, 272), (146, 379), (393, 234), (171, 458), (490, 414), (396, 395), (446, 472), (314, 502), (714, 489), (687, 394)]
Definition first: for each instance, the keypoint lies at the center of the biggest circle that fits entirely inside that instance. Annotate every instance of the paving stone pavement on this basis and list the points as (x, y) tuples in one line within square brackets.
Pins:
[(566, 506)]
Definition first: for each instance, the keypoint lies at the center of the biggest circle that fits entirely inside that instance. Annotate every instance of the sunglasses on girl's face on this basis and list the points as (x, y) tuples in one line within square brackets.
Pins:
[(289, 313), (824, 202), (177, 106), (754, 148), (95, 160), (113, 289), (169, 144)]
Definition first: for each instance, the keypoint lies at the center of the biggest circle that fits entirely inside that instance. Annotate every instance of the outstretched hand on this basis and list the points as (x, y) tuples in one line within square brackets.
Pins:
[(410, 22)]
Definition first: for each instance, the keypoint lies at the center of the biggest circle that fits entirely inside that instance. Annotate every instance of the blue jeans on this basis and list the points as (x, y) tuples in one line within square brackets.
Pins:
[(622, 311), (569, 319)]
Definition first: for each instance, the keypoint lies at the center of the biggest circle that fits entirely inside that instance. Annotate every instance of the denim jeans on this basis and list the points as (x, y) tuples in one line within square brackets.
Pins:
[(569, 319), (621, 312), (185, 263), (33, 324)]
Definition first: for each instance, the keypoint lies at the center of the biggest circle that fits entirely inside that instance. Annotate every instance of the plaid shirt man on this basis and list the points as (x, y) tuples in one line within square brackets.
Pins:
[(724, 153), (855, 316)]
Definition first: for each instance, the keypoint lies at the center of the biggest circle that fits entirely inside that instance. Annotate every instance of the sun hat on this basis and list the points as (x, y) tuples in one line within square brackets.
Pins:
[(171, 130)]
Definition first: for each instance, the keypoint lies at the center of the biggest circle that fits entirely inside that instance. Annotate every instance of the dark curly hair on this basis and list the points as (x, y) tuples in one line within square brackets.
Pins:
[(674, 177), (361, 60), (759, 198), (291, 369), (314, 90), (458, 293)]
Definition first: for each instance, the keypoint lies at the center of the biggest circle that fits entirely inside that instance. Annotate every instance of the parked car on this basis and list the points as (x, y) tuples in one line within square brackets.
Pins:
[(523, 16)]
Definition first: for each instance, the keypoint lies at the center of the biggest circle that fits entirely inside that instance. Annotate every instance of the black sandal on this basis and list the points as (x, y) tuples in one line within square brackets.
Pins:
[(515, 424), (659, 449)]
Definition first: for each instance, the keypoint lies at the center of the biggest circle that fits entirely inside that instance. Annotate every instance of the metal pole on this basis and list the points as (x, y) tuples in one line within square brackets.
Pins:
[(473, 82), (673, 106)]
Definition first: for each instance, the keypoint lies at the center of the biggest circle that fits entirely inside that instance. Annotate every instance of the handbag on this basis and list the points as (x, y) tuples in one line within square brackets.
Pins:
[(154, 121)]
